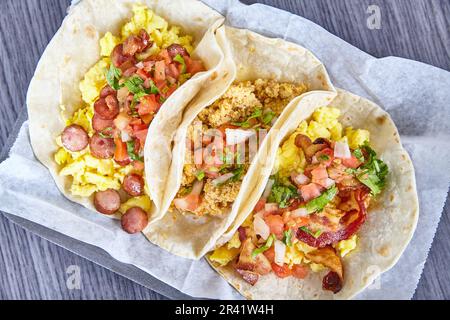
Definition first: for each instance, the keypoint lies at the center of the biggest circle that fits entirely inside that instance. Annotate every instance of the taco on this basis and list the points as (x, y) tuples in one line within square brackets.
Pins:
[(217, 143), (135, 63), (337, 208)]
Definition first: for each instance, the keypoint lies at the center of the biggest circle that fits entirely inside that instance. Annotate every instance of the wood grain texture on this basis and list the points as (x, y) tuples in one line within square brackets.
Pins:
[(33, 268)]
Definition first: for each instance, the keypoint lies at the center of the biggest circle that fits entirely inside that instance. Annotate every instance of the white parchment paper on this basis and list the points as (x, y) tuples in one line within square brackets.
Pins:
[(416, 95)]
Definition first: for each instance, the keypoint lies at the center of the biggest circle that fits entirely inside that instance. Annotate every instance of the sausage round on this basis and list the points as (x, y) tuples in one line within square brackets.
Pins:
[(102, 148), (74, 138), (106, 91), (99, 124), (133, 184), (107, 202), (107, 108), (117, 56), (134, 220)]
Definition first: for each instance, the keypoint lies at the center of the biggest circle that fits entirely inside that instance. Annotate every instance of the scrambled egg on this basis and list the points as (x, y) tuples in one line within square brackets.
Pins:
[(344, 247), (93, 82), (323, 124), (142, 202)]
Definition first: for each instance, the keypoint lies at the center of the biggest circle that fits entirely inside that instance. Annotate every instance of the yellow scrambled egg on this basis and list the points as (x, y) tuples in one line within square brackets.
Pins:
[(324, 123)]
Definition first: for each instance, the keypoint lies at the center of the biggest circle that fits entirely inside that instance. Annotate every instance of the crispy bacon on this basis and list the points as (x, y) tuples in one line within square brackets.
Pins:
[(346, 232)]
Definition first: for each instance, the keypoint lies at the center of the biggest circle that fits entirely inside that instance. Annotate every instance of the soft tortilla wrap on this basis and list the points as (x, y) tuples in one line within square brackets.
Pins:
[(251, 56), (391, 220), (75, 48)]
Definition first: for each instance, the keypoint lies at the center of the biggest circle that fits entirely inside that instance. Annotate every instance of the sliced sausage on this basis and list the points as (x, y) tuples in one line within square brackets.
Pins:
[(175, 49), (74, 138), (107, 202), (134, 220), (106, 91), (100, 124), (102, 148), (107, 108), (133, 184)]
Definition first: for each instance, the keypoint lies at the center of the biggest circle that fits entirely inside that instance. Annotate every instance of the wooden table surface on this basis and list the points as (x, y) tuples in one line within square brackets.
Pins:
[(33, 268)]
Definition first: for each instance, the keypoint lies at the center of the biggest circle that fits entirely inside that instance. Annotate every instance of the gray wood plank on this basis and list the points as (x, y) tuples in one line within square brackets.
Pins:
[(33, 268)]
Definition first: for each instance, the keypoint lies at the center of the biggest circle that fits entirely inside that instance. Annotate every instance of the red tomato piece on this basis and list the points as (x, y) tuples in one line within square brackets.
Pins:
[(352, 162), (270, 254), (310, 191), (281, 271), (160, 71), (260, 205), (276, 224), (148, 105), (325, 156)]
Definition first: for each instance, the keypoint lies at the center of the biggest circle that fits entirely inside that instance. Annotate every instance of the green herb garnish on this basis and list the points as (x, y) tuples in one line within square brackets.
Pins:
[(131, 152), (374, 171), (246, 124), (282, 193), (134, 85), (237, 173), (324, 157), (321, 201), (200, 175), (359, 155), (265, 247), (178, 58), (113, 76), (268, 117)]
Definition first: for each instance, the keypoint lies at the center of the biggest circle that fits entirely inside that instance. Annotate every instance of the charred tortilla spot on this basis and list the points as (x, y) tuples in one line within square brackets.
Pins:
[(384, 251), (381, 120)]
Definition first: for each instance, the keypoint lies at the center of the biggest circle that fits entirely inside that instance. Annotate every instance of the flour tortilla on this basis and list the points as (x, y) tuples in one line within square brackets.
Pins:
[(391, 220), (250, 56), (75, 49)]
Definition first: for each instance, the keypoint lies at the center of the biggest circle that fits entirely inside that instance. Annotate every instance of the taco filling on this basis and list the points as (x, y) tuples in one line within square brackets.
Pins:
[(315, 202), (102, 146), (217, 158)]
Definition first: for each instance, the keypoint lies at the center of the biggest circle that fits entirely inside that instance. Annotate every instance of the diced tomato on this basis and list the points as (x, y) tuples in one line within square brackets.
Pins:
[(138, 165), (299, 271), (120, 153), (281, 271), (141, 136), (193, 66), (141, 73), (148, 65), (276, 225), (174, 72), (165, 55), (319, 173), (270, 254), (160, 71), (325, 156), (147, 118), (148, 105), (352, 162), (259, 205), (310, 191)]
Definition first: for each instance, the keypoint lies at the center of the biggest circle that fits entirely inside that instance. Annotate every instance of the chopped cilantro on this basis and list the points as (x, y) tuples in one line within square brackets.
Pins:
[(134, 85), (237, 173), (265, 247), (324, 157), (373, 172), (246, 124), (359, 155), (321, 201), (282, 194), (268, 117), (200, 175), (113, 76), (178, 58)]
